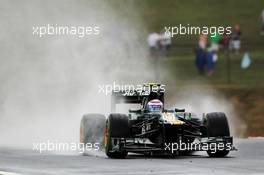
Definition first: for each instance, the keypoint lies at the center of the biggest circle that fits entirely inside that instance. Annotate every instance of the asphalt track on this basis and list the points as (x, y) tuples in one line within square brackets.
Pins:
[(249, 159)]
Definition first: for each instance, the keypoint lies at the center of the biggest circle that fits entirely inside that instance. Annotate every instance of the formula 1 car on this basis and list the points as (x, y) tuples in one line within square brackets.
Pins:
[(155, 130)]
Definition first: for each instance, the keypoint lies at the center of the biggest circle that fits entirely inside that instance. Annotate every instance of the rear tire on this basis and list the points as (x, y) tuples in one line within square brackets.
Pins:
[(217, 126), (117, 126), (92, 129)]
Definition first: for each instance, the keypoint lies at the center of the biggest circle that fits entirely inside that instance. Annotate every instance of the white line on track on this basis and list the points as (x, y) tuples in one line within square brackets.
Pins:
[(7, 173)]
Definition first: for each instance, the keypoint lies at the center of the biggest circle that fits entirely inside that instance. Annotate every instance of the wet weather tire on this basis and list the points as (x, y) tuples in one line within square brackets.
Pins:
[(217, 126), (117, 126)]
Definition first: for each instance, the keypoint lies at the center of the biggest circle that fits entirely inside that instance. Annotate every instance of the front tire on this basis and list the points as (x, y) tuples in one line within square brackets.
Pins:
[(217, 126), (117, 126)]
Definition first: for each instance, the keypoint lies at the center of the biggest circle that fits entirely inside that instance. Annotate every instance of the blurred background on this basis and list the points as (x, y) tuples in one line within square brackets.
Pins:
[(238, 72)]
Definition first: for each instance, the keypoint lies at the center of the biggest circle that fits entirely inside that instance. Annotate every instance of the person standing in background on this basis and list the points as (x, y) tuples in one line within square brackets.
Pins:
[(214, 41), (210, 61), (224, 42), (165, 42), (200, 58), (155, 47), (262, 22), (211, 56), (202, 41), (235, 39), (154, 44)]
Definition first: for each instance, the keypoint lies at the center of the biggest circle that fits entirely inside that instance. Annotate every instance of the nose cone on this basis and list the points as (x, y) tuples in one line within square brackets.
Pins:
[(171, 119)]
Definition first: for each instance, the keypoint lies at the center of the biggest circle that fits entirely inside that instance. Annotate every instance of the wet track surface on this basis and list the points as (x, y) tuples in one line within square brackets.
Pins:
[(249, 159)]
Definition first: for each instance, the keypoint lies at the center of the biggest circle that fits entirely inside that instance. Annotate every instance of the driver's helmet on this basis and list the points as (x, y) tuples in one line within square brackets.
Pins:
[(155, 105)]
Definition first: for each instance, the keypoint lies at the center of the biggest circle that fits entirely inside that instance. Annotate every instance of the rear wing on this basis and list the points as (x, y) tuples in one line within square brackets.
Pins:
[(133, 97), (136, 96)]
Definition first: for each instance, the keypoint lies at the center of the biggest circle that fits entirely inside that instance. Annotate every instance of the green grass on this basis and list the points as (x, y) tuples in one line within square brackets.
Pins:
[(245, 89), (156, 14), (180, 62), (185, 72)]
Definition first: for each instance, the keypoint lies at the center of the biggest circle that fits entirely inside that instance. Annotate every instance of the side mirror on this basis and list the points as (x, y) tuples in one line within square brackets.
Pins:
[(179, 110)]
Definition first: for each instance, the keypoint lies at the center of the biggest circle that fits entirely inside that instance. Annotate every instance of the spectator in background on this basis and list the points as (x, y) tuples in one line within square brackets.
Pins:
[(200, 59), (214, 41), (165, 43), (210, 61), (262, 22), (202, 41), (154, 44), (211, 56), (235, 39), (224, 42)]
